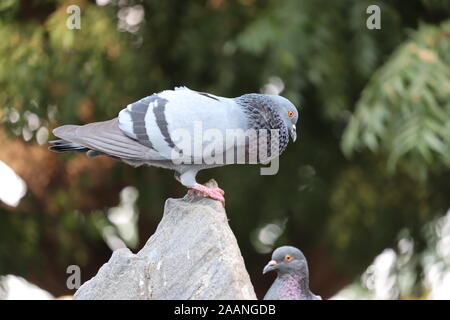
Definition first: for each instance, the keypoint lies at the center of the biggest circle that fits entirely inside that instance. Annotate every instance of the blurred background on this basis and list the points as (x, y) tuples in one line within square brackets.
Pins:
[(364, 191)]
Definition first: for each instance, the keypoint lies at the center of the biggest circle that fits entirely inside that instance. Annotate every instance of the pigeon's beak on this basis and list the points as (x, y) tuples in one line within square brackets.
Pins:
[(293, 132), (272, 265)]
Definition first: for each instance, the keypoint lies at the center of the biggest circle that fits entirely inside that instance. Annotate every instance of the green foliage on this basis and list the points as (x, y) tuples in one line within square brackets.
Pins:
[(329, 51), (404, 111), (60, 68), (390, 91)]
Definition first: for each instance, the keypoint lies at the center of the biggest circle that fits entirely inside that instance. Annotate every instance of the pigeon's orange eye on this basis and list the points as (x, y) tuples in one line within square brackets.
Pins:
[(288, 258), (290, 114)]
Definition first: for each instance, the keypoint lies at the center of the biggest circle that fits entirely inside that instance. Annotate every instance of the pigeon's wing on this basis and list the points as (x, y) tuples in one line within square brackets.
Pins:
[(172, 122), (106, 138)]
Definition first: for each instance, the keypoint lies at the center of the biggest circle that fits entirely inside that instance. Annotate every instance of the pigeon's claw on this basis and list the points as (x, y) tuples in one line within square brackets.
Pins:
[(219, 191), (213, 193), (216, 194)]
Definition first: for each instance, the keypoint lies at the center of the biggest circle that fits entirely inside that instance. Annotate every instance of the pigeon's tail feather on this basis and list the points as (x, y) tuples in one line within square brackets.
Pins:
[(101, 138), (66, 146)]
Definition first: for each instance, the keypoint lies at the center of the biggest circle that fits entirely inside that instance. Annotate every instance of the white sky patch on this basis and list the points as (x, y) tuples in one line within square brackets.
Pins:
[(13, 116), (124, 217), (33, 120), (12, 187), (111, 239), (42, 136), (130, 18), (27, 134), (381, 276), (437, 262), (17, 288), (268, 235), (393, 273), (102, 2), (275, 85)]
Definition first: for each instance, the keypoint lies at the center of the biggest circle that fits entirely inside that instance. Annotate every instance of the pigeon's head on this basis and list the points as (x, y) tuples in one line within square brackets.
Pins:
[(287, 260), (287, 111), (282, 106)]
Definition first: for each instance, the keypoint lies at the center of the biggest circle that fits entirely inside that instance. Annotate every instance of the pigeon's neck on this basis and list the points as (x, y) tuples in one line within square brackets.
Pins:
[(294, 286), (259, 111), (261, 116)]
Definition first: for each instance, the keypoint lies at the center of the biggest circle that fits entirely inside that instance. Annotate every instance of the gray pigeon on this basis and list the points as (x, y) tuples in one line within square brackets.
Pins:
[(292, 282), (158, 130)]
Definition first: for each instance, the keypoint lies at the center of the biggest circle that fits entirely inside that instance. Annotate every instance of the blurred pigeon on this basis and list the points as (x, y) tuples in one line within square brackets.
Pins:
[(292, 282), (149, 131)]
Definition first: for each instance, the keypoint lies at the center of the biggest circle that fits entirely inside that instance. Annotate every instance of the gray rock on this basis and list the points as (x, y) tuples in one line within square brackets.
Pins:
[(192, 255)]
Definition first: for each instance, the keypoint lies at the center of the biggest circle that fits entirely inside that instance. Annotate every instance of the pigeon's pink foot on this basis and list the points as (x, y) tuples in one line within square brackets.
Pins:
[(213, 193)]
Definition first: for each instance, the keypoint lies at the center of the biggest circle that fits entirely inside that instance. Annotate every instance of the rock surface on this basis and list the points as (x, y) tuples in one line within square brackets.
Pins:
[(192, 255)]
